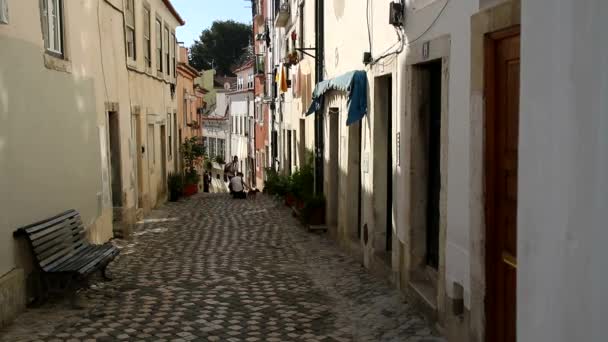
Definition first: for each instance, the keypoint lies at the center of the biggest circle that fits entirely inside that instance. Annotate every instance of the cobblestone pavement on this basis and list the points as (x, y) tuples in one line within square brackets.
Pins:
[(195, 272)]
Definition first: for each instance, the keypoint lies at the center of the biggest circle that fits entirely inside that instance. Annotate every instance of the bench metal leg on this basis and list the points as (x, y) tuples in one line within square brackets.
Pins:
[(104, 273)]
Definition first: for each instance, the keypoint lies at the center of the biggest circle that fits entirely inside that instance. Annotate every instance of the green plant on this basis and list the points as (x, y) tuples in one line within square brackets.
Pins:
[(191, 177), (314, 210), (302, 181), (208, 165), (276, 184), (192, 153), (175, 183)]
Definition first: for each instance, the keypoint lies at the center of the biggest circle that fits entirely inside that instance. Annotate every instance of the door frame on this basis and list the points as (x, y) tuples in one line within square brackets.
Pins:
[(489, 164), (482, 23)]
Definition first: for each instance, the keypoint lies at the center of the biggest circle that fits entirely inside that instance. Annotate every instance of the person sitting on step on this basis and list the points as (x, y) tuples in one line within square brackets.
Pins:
[(237, 186)]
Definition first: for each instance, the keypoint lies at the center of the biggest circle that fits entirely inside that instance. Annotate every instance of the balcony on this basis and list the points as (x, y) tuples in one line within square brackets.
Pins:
[(258, 14), (282, 11)]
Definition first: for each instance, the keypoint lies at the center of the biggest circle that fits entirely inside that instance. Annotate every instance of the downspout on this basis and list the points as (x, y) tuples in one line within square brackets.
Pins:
[(319, 67)]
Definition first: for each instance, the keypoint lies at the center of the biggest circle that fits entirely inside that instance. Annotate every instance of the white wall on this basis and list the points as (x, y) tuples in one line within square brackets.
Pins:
[(563, 189), (344, 52)]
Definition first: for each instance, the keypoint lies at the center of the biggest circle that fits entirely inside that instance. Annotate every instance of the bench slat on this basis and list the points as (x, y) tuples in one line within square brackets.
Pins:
[(52, 235), (35, 227), (81, 257), (53, 266), (108, 255), (63, 237), (59, 245), (60, 226), (95, 257)]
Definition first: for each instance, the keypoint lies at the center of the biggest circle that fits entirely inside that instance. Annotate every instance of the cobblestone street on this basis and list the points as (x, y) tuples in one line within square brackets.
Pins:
[(215, 269)]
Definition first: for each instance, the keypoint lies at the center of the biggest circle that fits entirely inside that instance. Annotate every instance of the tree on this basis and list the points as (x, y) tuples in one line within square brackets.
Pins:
[(220, 46)]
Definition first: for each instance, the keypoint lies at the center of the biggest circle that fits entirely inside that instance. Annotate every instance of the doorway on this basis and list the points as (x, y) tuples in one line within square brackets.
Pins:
[(431, 88), (175, 143), (139, 149), (500, 183), (383, 166), (333, 178), (163, 159), (115, 167), (288, 161), (179, 144), (426, 166), (353, 179)]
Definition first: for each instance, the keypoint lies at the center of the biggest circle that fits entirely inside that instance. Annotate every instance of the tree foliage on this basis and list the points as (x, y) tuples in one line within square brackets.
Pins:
[(220, 46)]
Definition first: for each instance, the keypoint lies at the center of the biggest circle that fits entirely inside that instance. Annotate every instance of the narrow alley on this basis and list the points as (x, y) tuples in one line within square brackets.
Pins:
[(212, 268)]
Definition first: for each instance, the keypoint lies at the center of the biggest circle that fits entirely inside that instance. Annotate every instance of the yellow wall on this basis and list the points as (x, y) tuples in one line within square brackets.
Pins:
[(53, 134)]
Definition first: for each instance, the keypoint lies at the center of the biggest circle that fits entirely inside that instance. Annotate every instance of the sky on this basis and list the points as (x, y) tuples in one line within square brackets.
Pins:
[(200, 14)]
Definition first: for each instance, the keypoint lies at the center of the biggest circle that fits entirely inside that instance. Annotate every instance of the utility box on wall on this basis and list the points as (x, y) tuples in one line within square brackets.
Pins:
[(396, 14)]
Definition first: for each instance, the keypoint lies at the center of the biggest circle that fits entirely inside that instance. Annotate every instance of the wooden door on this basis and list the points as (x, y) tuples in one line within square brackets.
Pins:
[(163, 159), (501, 160)]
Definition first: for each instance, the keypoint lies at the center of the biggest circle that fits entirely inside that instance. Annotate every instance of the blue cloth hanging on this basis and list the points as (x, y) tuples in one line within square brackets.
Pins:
[(354, 83)]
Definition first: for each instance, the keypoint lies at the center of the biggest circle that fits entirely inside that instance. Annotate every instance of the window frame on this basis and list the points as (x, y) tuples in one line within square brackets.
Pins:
[(158, 29), (46, 28), (174, 57), (130, 28), (167, 50), (148, 39)]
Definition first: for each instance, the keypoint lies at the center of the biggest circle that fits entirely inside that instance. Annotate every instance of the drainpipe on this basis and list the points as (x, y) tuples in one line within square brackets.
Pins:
[(320, 57)]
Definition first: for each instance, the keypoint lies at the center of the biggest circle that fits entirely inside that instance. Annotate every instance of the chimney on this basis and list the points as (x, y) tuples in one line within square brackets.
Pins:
[(183, 54)]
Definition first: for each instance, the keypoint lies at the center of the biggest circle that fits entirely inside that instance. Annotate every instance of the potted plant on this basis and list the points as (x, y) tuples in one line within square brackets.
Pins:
[(302, 183), (192, 153), (209, 165), (194, 124), (220, 159), (176, 186), (314, 210), (191, 179)]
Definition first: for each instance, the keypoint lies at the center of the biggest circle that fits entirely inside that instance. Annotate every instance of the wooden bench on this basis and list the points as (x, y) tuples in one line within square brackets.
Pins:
[(60, 250)]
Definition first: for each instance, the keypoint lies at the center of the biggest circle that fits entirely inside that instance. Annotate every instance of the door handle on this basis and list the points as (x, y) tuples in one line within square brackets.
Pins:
[(509, 260)]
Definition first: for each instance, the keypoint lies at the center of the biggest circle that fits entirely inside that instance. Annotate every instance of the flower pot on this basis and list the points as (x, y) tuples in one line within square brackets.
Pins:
[(290, 200), (190, 189), (174, 196), (299, 204), (316, 216)]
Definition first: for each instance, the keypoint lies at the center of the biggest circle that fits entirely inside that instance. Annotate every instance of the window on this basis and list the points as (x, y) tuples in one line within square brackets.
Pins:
[(206, 145), (130, 28), (147, 39), (159, 46), (250, 81), (174, 43), (239, 83), (3, 11), (166, 47), (221, 147), (52, 26), (212, 147)]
